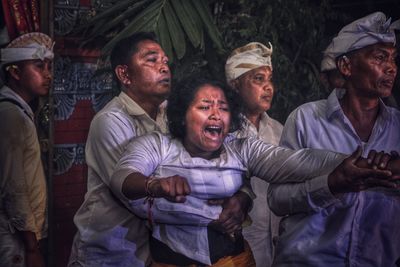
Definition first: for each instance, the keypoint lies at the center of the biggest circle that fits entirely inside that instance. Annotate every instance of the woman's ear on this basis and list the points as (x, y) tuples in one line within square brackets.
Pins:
[(121, 71), (344, 66)]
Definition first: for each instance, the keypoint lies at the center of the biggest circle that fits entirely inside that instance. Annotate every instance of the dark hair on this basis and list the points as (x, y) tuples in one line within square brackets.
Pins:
[(126, 47), (183, 94)]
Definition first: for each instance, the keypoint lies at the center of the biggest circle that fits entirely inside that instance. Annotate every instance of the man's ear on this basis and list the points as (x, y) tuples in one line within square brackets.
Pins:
[(344, 65), (121, 71), (14, 72), (234, 85)]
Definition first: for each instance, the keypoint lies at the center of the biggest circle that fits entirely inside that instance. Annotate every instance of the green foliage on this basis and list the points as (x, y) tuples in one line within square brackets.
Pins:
[(200, 41), (296, 29), (179, 24)]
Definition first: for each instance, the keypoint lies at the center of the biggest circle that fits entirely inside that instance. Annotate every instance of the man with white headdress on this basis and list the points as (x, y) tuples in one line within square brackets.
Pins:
[(330, 76), (249, 71), (330, 225), (26, 69)]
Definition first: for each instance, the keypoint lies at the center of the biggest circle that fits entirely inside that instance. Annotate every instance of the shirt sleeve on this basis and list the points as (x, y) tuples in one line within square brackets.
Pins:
[(292, 133), (193, 211), (105, 145), (144, 154), (281, 165), (15, 131), (307, 196)]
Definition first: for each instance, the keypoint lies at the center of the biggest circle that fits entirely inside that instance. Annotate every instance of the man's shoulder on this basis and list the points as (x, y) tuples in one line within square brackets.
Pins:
[(9, 112), (310, 109), (113, 110), (394, 114)]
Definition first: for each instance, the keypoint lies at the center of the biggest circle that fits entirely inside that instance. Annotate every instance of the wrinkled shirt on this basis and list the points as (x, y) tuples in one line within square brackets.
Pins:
[(23, 192), (356, 229), (108, 233), (161, 156), (264, 228)]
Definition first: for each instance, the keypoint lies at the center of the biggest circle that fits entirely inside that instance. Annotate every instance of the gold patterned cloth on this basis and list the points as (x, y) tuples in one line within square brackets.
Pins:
[(244, 259)]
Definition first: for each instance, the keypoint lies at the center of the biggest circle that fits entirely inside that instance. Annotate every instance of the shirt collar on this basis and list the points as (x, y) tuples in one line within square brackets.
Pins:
[(7, 92), (333, 105), (134, 109)]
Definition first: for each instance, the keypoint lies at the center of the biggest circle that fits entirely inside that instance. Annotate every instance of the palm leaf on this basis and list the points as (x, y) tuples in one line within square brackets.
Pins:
[(102, 28), (175, 22), (144, 21), (187, 19), (164, 37), (176, 33), (206, 17), (103, 15)]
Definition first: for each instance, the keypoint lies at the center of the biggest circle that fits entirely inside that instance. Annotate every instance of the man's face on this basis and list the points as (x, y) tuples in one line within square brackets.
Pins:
[(256, 89), (373, 69), (148, 72), (34, 76)]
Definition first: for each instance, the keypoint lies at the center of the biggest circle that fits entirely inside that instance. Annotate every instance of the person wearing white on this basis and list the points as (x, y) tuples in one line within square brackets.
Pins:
[(203, 162), (26, 64), (249, 72), (108, 233), (220, 177), (101, 220), (353, 226)]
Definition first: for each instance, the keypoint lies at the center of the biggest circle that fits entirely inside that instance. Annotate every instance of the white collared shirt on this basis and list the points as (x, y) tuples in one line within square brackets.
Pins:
[(264, 228), (180, 227), (108, 233), (357, 229)]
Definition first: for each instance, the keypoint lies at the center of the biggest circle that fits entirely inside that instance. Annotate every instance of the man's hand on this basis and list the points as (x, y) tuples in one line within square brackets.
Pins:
[(234, 212), (173, 188), (355, 173)]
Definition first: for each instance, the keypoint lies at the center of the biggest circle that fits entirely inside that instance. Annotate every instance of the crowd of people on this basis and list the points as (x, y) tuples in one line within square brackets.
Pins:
[(198, 174)]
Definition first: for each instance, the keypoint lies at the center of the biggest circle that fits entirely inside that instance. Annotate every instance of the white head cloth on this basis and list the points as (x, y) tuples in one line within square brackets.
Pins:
[(34, 45), (328, 60), (246, 58), (365, 31)]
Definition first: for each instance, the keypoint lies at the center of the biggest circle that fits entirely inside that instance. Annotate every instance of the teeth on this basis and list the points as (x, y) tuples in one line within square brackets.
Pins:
[(216, 129)]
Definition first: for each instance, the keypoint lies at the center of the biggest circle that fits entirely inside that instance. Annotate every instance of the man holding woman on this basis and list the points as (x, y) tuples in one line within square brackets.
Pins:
[(202, 161)]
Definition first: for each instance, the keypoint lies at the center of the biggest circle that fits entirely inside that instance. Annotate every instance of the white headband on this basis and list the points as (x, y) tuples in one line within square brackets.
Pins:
[(26, 47), (247, 58), (368, 30), (328, 60)]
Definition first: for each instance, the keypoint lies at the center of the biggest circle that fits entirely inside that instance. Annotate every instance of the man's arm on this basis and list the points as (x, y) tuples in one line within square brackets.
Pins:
[(16, 199), (352, 175), (109, 134)]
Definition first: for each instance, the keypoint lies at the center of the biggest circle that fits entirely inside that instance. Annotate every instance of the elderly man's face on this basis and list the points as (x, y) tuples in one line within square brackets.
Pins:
[(256, 89), (373, 69), (148, 74)]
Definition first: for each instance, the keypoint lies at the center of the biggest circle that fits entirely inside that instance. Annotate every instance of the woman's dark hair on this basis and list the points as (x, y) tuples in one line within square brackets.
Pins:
[(183, 94)]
